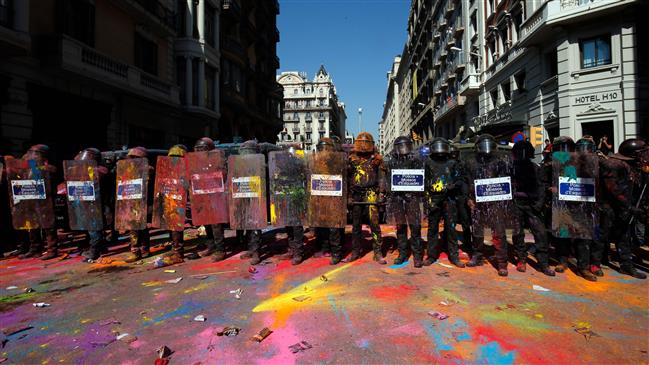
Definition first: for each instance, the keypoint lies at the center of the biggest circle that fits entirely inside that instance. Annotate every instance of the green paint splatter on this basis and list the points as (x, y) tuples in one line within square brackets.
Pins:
[(563, 232), (17, 298), (445, 294), (528, 305), (562, 157), (516, 320), (570, 172)]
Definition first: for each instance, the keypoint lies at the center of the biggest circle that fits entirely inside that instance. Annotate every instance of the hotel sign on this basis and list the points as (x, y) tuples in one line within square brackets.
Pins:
[(596, 98)]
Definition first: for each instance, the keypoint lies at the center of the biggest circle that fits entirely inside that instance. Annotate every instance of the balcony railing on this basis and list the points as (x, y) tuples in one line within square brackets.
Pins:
[(156, 8), (76, 57)]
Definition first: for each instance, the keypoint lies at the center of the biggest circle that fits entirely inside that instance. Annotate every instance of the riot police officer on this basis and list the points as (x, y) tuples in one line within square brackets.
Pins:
[(177, 254), (441, 177), (366, 174), (253, 237), (140, 240), (40, 154), (486, 164), (404, 205), (528, 194), (618, 205)]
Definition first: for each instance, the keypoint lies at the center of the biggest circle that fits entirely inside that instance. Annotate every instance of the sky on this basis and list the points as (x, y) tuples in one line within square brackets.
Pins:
[(356, 40)]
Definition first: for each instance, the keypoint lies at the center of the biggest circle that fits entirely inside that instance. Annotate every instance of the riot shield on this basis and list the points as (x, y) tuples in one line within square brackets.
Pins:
[(574, 195), (83, 195), (287, 175), (327, 189), (406, 184), (130, 203), (30, 193), (247, 199), (491, 190), (207, 192), (170, 194)]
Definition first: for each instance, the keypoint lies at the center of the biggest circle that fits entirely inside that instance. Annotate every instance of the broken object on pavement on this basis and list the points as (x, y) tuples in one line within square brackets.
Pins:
[(237, 293), (300, 346), (164, 352), (439, 315), (302, 298), (265, 332), (200, 318), (229, 331)]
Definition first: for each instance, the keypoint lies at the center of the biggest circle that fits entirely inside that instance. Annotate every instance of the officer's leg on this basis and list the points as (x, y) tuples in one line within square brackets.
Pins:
[(464, 217), (377, 239), (51, 244), (540, 242), (296, 244), (335, 237), (96, 240), (451, 237), (402, 241), (417, 244), (31, 236), (582, 251), (477, 249), (357, 231), (254, 241), (500, 245), (623, 247), (323, 241), (518, 238), (434, 215)]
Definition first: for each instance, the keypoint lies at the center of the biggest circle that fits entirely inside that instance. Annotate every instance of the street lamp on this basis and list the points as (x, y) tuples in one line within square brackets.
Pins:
[(360, 119), (457, 49)]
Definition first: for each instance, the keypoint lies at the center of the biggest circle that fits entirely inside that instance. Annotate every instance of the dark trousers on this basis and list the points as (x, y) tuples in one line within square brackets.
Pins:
[(463, 214), (296, 239), (499, 243), (36, 237), (330, 240), (96, 242), (613, 228), (177, 240), (140, 240), (253, 237), (437, 211), (527, 215), (588, 252), (218, 237), (415, 241), (372, 212)]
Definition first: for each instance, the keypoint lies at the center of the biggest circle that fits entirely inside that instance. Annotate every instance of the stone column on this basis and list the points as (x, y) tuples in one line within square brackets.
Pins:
[(189, 19), (200, 19), (201, 83), (188, 81)]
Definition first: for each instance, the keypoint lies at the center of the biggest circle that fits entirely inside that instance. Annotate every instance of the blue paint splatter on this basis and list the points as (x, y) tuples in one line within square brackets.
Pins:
[(437, 335), (364, 343), (491, 353), (565, 297), (340, 311), (189, 308), (401, 265)]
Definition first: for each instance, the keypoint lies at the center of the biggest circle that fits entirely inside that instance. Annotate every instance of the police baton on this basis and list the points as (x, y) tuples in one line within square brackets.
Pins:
[(637, 204)]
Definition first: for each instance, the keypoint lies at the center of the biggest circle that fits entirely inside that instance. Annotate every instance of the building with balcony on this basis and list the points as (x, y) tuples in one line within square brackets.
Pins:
[(439, 61), (312, 109), (250, 95), (198, 61), (390, 126), (572, 67), (79, 73)]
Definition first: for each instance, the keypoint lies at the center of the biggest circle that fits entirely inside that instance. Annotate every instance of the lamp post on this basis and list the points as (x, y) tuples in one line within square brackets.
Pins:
[(360, 119)]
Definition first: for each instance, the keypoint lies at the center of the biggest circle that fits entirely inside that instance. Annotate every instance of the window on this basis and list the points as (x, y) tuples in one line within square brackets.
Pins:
[(210, 76), (321, 115), (294, 91), (551, 67), (321, 135), (210, 37), (519, 78), (79, 20), (474, 24), (308, 136), (296, 116), (296, 136), (146, 54), (507, 90), (595, 51), (494, 97), (308, 115), (180, 76), (6, 13)]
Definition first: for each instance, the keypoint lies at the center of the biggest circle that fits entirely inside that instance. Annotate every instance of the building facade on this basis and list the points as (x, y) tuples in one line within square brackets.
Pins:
[(250, 95), (561, 67), (312, 109), (390, 124), (135, 72), (570, 67)]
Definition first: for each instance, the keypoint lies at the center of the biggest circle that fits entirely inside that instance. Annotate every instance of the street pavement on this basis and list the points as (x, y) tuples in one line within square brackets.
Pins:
[(357, 313)]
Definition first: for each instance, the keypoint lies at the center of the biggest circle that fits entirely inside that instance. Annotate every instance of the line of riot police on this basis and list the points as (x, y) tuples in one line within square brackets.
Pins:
[(576, 198)]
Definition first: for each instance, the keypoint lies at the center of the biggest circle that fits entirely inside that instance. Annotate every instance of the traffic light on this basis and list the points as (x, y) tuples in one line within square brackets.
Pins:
[(536, 136)]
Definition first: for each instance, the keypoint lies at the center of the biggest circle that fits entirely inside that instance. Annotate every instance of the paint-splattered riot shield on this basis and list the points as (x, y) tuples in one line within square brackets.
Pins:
[(288, 199), (574, 195), (406, 183), (207, 187), (247, 189), (327, 189), (30, 195), (83, 195), (131, 198), (491, 190), (170, 194)]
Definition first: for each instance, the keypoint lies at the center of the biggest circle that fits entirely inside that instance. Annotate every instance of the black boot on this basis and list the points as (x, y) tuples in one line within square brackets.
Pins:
[(630, 270), (476, 260)]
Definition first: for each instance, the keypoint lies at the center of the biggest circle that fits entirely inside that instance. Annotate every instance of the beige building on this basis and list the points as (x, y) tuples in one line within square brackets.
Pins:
[(312, 109)]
